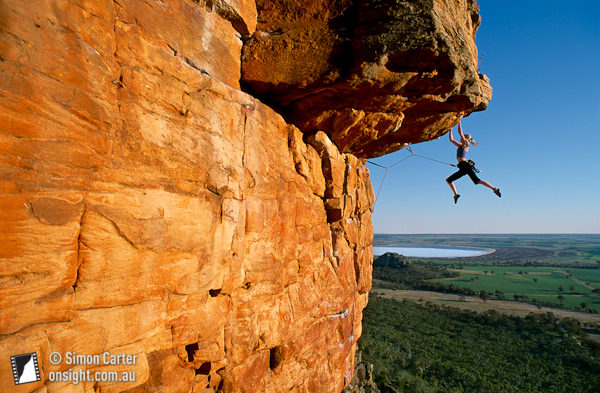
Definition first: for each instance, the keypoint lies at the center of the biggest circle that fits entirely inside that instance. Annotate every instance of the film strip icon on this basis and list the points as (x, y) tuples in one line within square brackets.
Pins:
[(25, 368)]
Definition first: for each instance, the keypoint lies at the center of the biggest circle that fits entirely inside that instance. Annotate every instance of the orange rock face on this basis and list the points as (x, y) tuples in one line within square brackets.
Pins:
[(153, 211), (151, 208), (375, 75)]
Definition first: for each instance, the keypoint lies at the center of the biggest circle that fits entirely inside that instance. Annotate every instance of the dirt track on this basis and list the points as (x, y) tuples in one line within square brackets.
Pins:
[(474, 303), (585, 284)]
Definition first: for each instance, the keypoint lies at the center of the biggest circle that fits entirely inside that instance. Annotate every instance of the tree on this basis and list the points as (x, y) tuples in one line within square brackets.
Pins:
[(561, 298), (560, 289), (484, 295), (583, 305), (572, 288), (499, 294), (535, 280)]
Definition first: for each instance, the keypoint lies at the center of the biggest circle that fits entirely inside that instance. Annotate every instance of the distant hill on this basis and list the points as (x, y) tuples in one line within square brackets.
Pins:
[(391, 259)]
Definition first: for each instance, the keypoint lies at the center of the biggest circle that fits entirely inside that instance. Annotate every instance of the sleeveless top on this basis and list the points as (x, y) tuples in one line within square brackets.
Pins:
[(461, 152)]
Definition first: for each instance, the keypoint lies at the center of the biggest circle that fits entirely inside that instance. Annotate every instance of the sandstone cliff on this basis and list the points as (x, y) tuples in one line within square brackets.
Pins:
[(151, 207)]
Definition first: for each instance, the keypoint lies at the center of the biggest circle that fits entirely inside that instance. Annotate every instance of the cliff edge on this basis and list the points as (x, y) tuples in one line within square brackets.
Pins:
[(181, 229)]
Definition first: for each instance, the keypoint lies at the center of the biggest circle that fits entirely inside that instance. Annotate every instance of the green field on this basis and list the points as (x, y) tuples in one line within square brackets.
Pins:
[(537, 283)]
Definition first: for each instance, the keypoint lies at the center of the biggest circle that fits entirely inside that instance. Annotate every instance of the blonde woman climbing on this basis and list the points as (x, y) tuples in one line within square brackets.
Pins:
[(465, 167)]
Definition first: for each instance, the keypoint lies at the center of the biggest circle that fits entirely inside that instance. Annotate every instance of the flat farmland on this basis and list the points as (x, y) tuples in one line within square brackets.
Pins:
[(544, 284), (557, 270)]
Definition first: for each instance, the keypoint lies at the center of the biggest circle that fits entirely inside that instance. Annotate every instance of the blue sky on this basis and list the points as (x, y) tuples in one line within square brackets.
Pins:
[(538, 141)]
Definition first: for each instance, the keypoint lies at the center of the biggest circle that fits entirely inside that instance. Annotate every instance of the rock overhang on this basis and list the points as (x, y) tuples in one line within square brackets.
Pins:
[(375, 75)]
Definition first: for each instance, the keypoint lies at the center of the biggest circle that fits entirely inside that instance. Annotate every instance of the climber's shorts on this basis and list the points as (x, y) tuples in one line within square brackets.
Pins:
[(464, 169)]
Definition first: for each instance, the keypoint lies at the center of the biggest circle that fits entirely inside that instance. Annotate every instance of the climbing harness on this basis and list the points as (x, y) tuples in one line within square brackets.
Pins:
[(472, 164), (387, 168)]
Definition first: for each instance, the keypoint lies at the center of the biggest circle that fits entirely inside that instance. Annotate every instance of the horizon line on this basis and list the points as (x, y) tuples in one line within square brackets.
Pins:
[(497, 233)]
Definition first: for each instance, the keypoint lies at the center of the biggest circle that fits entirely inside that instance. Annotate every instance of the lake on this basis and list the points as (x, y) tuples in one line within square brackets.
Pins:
[(433, 251)]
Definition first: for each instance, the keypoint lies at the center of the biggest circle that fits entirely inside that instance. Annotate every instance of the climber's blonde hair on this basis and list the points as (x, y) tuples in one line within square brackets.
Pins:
[(469, 138)]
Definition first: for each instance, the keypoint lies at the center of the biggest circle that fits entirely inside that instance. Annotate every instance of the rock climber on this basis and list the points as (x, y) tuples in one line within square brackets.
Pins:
[(465, 167)]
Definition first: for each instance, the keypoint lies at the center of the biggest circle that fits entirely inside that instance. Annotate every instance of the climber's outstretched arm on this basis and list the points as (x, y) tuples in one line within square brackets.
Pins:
[(452, 137), (460, 133)]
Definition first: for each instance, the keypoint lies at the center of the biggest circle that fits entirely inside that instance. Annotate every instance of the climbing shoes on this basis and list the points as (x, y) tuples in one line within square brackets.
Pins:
[(496, 191)]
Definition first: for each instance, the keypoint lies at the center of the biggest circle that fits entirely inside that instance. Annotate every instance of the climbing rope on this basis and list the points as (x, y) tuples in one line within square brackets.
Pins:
[(427, 158), (387, 168)]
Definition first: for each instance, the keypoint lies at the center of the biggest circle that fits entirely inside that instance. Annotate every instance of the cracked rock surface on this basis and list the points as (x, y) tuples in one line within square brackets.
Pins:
[(150, 207)]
